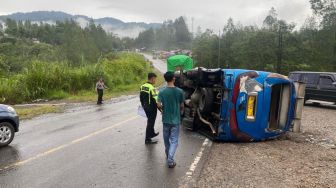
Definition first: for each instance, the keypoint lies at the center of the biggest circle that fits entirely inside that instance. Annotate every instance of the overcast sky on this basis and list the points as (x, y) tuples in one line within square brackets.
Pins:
[(211, 14)]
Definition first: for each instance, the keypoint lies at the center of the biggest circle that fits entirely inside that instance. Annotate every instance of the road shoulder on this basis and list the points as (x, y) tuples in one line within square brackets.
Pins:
[(197, 165), (306, 159)]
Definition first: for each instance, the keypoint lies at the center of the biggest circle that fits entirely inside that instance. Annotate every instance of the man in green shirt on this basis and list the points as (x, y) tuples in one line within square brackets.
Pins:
[(171, 102)]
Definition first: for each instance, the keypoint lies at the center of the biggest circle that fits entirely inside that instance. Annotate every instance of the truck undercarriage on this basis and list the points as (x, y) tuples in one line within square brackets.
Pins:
[(203, 93)]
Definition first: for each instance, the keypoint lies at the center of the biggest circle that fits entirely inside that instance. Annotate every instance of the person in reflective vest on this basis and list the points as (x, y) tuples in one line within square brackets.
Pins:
[(148, 99)]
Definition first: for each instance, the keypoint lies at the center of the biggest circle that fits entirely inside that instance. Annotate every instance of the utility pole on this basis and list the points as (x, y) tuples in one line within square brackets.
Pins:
[(192, 27), (192, 33), (219, 47), (334, 55), (280, 48)]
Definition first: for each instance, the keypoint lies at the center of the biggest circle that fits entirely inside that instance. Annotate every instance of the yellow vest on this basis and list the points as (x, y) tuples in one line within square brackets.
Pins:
[(149, 88)]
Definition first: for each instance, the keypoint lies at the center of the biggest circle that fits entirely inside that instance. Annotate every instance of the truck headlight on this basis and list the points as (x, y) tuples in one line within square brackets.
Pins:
[(251, 106)]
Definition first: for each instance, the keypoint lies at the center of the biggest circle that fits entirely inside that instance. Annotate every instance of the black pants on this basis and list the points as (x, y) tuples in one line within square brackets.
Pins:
[(100, 96), (151, 117)]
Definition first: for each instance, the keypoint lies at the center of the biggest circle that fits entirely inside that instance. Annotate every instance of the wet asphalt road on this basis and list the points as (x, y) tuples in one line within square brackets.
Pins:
[(95, 146), (158, 64)]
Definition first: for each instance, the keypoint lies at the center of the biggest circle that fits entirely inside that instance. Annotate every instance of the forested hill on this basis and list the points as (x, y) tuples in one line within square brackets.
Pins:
[(56, 61), (39, 16), (116, 26)]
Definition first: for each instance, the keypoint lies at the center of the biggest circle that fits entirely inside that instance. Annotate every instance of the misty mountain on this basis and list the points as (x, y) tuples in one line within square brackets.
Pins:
[(116, 26)]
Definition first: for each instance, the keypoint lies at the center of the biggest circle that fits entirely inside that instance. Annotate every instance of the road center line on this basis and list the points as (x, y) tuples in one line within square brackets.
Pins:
[(58, 148)]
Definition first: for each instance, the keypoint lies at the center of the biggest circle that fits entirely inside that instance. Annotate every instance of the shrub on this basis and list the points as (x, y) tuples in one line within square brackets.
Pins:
[(57, 80)]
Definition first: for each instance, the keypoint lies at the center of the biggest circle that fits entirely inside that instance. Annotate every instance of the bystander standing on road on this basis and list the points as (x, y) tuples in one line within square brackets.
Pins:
[(171, 101), (100, 86)]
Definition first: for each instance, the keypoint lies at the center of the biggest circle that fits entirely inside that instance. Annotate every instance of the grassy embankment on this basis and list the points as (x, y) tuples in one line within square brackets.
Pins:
[(59, 81)]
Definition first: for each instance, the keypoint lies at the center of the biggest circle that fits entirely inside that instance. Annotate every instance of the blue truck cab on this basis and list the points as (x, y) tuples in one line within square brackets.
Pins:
[(237, 105)]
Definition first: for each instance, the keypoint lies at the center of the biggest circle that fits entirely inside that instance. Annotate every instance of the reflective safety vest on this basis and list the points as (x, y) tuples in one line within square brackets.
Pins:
[(150, 90)]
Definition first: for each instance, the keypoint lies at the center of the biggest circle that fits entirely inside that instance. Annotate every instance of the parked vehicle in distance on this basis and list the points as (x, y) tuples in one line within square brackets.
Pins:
[(9, 124), (237, 105), (319, 85)]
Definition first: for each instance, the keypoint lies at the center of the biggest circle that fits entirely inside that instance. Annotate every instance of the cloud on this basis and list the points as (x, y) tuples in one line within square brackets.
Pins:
[(207, 14)]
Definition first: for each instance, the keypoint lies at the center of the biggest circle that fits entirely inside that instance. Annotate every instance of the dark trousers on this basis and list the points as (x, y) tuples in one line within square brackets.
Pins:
[(151, 113), (100, 96)]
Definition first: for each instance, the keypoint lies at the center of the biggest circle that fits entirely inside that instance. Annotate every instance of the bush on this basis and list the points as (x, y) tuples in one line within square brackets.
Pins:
[(58, 80)]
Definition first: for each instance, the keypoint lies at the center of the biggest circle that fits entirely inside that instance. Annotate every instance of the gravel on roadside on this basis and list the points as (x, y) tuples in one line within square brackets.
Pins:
[(306, 159)]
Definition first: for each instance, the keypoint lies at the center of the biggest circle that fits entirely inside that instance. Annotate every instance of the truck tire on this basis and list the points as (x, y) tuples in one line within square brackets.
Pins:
[(206, 100), (7, 133), (188, 123)]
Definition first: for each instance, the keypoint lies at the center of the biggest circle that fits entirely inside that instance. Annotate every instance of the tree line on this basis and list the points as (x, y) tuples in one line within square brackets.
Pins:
[(22, 42), (171, 35), (55, 61), (276, 46)]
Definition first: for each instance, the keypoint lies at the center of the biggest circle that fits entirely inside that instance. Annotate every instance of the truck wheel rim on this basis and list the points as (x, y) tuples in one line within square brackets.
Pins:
[(5, 134)]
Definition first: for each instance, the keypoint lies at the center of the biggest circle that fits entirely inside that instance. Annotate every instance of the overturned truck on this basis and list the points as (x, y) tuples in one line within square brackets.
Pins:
[(237, 105)]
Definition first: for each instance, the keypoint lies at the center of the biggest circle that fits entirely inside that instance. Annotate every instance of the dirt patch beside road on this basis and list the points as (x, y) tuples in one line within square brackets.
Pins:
[(306, 159), (30, 111)]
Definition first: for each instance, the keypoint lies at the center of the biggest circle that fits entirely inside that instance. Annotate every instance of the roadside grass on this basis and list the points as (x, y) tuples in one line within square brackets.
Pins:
[(58, 80), (61, 83), (159, 80), (37, 110), (29, 112), (91, 96)]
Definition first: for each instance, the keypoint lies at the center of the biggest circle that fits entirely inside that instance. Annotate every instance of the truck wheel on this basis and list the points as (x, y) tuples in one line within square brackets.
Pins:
[(188, 123), (206, 100), (7, 133)]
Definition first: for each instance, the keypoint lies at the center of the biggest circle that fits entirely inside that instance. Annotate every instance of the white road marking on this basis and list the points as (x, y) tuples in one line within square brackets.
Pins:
[(58, 148), (197, 159)]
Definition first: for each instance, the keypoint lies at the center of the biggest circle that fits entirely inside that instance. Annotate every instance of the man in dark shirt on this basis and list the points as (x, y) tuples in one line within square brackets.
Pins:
[(148, 99)]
